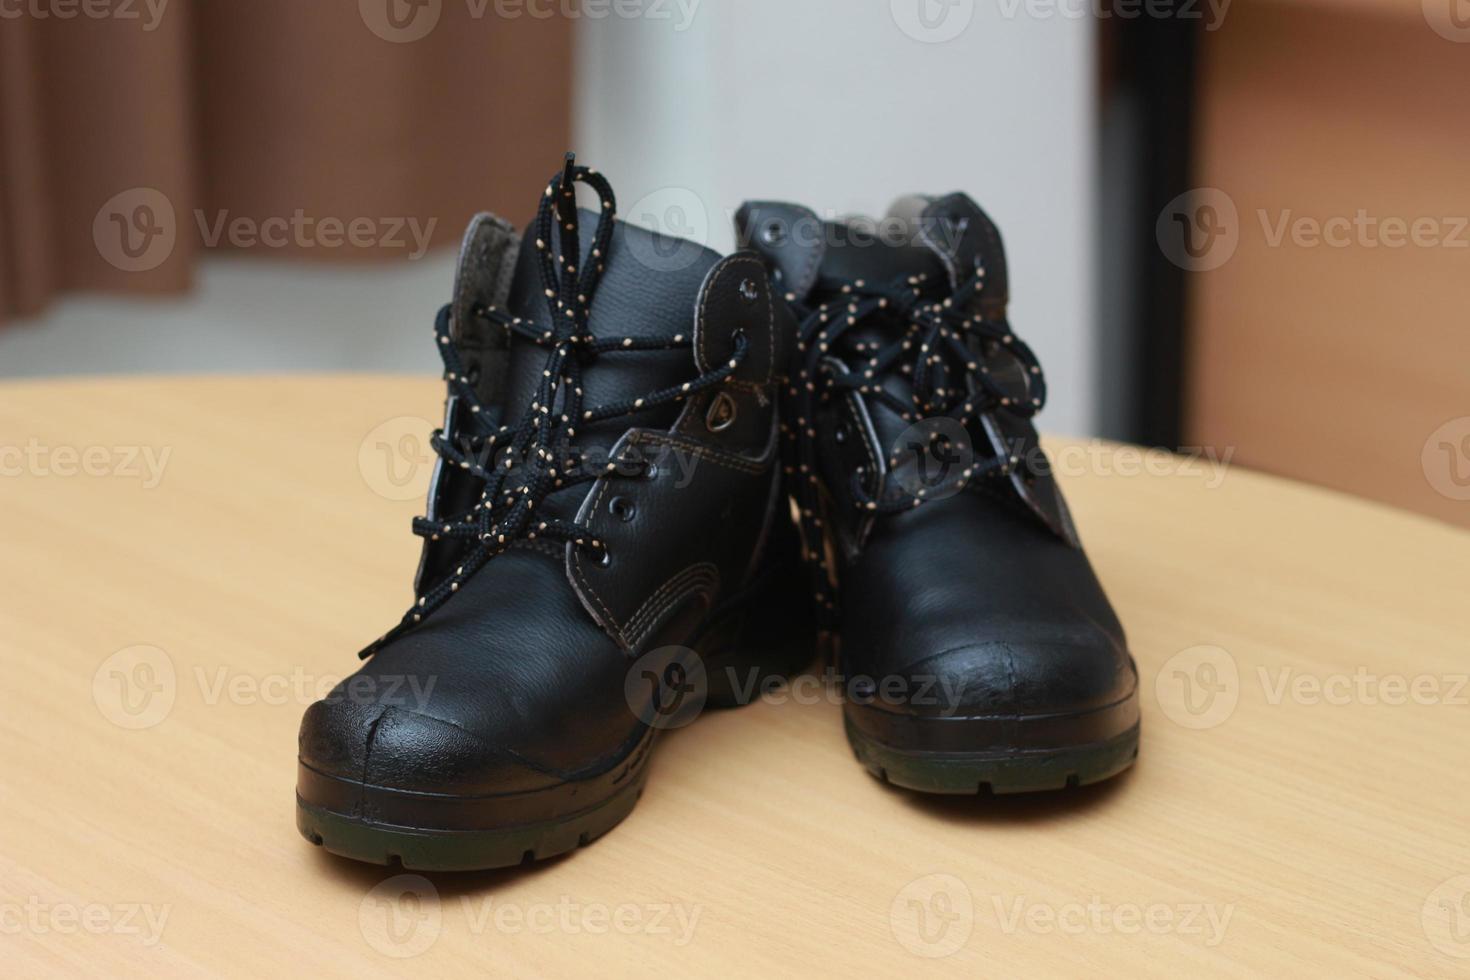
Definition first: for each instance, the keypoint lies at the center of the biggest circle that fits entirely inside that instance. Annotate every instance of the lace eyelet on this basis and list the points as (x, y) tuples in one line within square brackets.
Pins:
[(748, 290), (622, 508), (603, 557), (650, 472)]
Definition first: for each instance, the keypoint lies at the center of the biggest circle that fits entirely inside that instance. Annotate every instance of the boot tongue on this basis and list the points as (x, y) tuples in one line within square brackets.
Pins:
[(649, 288), (853, 254)]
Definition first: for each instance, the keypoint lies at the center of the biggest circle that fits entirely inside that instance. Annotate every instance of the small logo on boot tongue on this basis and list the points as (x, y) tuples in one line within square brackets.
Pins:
[(721, 413)]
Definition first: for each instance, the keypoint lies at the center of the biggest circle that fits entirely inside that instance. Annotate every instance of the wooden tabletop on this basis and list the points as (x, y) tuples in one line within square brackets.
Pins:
[(187, 563)]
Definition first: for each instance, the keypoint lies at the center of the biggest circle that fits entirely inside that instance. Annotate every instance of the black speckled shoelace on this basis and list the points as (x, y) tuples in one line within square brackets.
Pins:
[(941, 346), (537, 457)]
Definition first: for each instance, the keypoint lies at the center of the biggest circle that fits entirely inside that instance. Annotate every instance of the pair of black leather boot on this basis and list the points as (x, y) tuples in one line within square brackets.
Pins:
[(666, 477)]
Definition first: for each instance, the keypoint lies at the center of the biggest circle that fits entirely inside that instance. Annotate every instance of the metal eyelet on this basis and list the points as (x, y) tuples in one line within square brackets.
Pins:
[(748, 291), (650, 472), (774, 233), (622, 508), (604, 557)]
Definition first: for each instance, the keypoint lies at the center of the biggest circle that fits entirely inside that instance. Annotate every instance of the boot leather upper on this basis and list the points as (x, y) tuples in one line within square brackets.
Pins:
[(987, 592), (518, 680)]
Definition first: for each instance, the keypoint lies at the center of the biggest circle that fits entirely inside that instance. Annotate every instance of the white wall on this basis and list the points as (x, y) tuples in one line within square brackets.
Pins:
[(832, 104), (246, 315)]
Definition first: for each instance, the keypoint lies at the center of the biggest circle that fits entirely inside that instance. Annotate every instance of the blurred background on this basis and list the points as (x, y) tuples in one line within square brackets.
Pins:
[(1232, 224)]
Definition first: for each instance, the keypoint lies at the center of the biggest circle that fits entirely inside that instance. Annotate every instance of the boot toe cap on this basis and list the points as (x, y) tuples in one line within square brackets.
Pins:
[(1064, 673), (399, 747)]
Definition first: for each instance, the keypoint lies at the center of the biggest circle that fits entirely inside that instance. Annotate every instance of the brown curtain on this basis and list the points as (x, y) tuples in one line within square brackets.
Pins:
[(314, 129)]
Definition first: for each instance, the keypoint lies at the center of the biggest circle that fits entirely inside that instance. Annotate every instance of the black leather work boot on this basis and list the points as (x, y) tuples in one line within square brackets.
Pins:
[(977, 647), (604, 521)]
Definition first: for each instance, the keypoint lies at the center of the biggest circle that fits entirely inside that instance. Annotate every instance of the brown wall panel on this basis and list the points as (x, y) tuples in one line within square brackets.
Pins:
[(1326, 362)]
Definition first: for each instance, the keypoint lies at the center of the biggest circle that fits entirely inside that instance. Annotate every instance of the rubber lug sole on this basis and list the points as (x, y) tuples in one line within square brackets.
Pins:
[(1017, 771), (467, 850)]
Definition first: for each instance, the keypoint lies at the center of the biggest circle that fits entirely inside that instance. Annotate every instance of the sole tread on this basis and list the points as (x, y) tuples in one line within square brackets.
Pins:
[(995, 773)]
